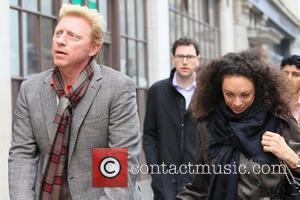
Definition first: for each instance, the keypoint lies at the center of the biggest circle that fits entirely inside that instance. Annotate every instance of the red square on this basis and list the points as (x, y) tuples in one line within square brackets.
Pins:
[(110, 167)]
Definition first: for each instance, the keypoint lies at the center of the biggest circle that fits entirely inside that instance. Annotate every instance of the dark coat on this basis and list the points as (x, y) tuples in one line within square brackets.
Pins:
[(250, 185), (169, 136)]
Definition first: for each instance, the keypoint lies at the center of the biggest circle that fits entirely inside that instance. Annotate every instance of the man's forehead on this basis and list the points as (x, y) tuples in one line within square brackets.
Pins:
[(70, 19), (73, 24), (186, 48), (291, 68)]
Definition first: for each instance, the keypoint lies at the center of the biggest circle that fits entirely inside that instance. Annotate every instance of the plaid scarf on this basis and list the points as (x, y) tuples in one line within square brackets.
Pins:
[(53, 182)]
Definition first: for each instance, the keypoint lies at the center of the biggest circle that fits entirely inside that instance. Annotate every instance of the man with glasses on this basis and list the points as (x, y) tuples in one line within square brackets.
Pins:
[(169, 139)]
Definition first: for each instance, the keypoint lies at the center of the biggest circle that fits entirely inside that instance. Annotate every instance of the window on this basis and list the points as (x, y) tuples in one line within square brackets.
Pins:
[(32, 24), (14, 43), (196, 19), (105, 57), (133, 40)]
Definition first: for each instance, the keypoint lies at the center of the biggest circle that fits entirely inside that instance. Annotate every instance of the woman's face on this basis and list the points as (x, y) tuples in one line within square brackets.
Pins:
[(238, 92)]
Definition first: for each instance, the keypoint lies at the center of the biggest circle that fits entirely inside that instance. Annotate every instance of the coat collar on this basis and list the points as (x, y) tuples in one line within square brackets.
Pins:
[(49, 105)]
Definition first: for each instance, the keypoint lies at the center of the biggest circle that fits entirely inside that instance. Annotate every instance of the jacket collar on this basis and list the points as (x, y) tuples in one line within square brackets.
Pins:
[(172, 73)]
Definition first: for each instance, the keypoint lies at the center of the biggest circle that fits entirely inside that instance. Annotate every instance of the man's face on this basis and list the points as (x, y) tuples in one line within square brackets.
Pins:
[(185, 61), (71, 43), (293, 74)]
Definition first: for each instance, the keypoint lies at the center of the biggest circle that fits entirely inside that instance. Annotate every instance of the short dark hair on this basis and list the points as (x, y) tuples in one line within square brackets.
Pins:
[(291, 60), (185, 41)]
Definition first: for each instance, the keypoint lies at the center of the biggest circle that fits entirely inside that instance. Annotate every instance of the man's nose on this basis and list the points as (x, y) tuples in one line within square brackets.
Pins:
[(61, 40)]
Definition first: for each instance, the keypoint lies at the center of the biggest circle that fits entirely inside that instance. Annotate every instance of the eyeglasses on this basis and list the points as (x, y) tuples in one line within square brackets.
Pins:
[(180, 57)]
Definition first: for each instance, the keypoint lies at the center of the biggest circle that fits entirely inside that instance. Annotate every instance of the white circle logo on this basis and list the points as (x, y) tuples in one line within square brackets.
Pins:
[(109, 167)]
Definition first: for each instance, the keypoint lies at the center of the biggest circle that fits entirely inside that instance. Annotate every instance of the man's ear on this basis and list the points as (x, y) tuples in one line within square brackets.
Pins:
[(94, 49), (198, 63), (173, 60)]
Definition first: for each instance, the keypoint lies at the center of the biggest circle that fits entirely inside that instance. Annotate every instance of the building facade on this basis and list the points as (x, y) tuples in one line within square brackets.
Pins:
[(138, 39), (271, 24)]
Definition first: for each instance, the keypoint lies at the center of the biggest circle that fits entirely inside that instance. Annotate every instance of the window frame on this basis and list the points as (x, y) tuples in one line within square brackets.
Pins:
[(199, 20)]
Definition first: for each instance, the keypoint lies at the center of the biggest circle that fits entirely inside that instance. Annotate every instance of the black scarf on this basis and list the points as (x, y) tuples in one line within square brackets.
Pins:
[(232, 134)]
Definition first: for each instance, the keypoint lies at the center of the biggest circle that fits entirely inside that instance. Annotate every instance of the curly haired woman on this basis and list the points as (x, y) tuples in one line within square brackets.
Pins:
[(245, 130)]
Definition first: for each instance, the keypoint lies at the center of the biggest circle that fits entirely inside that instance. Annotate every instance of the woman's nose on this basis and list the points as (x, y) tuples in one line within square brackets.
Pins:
[(237, 101)]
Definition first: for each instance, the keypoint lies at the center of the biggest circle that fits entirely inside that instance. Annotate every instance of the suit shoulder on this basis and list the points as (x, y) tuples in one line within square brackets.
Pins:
[(160, 84), (36, 79), (116, 78)]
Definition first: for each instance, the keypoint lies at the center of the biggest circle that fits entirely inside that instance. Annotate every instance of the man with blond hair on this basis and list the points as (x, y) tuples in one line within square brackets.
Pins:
[(65, 112)]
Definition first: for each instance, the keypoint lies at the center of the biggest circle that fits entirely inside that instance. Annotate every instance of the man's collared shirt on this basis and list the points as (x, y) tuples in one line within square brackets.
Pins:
[(188, 92), (69, 87)]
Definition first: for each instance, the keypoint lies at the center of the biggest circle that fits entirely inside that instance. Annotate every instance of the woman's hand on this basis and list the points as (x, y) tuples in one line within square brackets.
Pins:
[(275, 143)]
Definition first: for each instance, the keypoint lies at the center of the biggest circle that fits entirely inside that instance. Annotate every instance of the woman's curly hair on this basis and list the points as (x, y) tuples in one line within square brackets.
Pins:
[(272, 88)]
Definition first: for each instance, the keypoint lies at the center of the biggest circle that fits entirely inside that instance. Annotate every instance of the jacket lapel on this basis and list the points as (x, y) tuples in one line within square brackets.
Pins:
[(83, 107), (49, 106)]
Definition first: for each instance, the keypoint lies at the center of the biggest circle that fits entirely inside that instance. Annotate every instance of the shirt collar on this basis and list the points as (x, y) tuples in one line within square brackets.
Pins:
[(69, 87), (193, 85)]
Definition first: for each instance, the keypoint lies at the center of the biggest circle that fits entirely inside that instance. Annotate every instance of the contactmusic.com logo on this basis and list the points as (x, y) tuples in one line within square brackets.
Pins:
[(110, 167)]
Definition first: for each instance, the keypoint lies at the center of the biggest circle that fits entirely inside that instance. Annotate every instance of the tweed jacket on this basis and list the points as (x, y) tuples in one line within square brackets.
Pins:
[(106, 116)]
